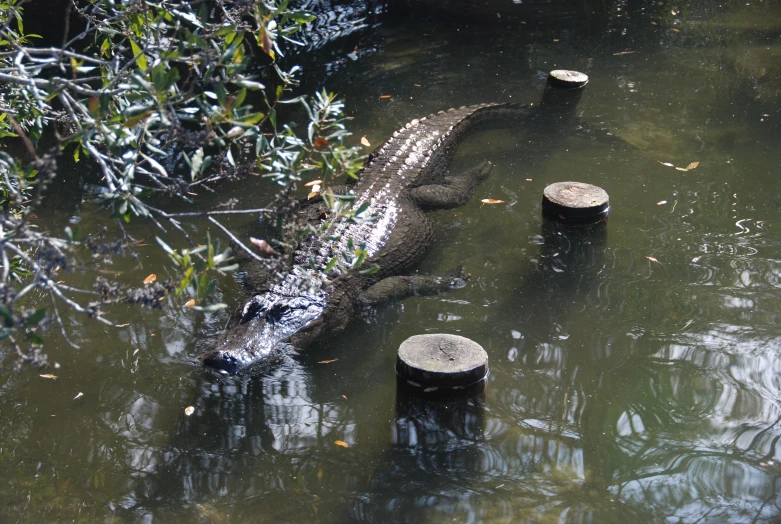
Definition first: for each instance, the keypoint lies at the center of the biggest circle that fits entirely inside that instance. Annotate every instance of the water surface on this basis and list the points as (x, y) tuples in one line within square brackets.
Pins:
[(635, 367)]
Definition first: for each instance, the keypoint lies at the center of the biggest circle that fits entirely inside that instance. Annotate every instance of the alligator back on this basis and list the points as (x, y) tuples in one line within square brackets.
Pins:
[(417, 154)]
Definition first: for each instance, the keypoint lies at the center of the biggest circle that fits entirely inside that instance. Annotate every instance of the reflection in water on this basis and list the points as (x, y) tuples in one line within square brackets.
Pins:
[(622, 389)]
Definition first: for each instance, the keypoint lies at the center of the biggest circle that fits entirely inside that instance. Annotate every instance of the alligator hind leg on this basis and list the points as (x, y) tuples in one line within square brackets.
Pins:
[(456, 190), (400, 287)]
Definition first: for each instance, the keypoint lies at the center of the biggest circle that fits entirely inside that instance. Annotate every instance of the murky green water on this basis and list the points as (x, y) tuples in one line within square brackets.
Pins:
[(635, 369)]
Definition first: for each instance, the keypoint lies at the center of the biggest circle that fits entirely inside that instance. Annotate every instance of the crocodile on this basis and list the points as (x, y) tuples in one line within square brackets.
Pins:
[(404, 177)]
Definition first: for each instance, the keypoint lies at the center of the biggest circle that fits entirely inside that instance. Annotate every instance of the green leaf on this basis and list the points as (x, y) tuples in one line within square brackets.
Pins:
[(142, 62), (4, 312), (35, 318), (369, 271), (251, 119), (330, 265)]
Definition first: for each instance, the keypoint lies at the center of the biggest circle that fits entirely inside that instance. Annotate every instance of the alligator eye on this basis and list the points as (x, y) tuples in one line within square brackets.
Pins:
[(276, 313)]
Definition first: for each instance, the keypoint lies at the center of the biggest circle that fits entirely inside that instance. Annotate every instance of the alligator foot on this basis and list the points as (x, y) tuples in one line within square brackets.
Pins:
[(454, 191), (400, 287)]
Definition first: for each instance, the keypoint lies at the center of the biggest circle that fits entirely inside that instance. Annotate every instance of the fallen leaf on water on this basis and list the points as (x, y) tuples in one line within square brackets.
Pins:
[(313, 194), (365, 141), (681, 168), (673, 12), (491, 201), (528, 179), (661, 202), (621, 53), (676, 30), (151, 278), (668, 164), (47, 375), (320, 142), (189, 410), (79, 395), (341, 443), (263, 246), (328, 361), (344, 397), (313, 183), (190, 303), (555, 39), (384, 97), (653, 23), (696, 259), (692, 165), (652, 259), (418, 85), (122, 325)]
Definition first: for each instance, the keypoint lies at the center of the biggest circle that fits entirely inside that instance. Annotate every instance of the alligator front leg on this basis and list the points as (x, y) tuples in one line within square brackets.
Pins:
[(456, 190), (400, 287)]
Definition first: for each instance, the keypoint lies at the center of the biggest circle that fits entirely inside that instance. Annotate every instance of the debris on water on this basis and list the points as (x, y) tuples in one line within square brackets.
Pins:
[(151, 278), (365, 141), (652, 259), (189, 410), (49, 376), (341, 443)]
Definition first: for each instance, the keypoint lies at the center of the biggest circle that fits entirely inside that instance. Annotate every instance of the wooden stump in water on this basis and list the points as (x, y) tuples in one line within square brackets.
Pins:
[(575, 202), (565, 79), (441, 361)]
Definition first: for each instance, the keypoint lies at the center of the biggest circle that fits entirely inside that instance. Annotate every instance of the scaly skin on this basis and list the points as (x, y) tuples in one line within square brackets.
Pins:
[(403, 176)]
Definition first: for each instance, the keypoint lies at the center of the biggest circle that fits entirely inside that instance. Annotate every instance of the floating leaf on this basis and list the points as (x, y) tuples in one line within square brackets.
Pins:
[(313, 183), (365, 141), (49, 376), (189, 410), (528, 179), (696, 259), (320, 142), (621, 53), (190, 303), (661, 202), (491, 201), (344, 397), (151, 278), (385, 97), (341, 443), (668, 164), (328, 361), (263, 246), (652, 259), (681, 168), (79, 395), (692, 165)]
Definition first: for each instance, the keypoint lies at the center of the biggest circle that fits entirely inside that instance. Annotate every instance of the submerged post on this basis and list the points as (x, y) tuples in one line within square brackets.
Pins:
[(440, 392), (561, 96)]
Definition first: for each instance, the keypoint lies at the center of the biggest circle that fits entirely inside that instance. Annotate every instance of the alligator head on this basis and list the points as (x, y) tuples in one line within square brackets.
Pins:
[(263, 326)]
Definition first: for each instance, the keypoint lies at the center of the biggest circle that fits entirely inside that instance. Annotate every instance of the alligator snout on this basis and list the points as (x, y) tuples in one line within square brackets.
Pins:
[(222, 361)]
